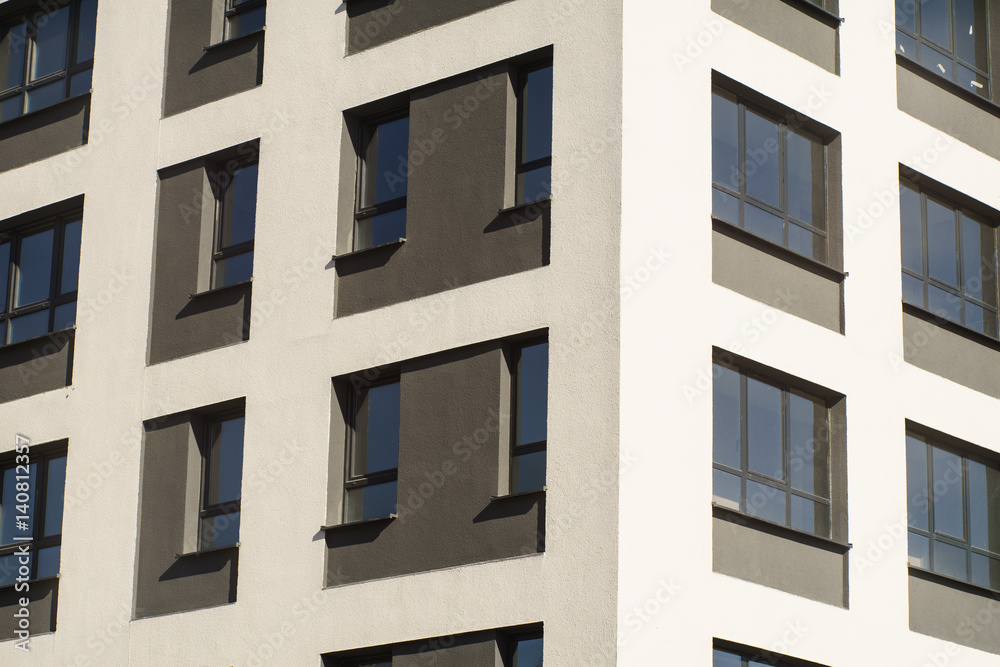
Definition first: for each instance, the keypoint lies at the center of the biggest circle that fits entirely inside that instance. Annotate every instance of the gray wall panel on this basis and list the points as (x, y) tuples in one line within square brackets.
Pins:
[(36, 366), (955, 615), (45, 133), (945, 353), (374, 22), (43, 599)]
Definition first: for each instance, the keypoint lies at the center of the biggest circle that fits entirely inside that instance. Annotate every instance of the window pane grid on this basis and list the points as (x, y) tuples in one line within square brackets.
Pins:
[(383, 169), (222, 472), (774, 483), (912, 31), (372, 461), (43, 510)]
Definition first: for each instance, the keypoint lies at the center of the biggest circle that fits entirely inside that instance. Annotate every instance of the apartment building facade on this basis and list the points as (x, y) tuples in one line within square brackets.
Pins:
[(499, 332)]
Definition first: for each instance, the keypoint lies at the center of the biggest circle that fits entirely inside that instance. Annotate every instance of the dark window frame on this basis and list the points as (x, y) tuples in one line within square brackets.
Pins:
[(785, 486), (366, 660), (362, 212), (222, 179), (71, 68), (512, 644), (206, 511), (925, 43), (234, 9), (58, 223), (352, 481), (38, 539), (516, 447), (523, 167)]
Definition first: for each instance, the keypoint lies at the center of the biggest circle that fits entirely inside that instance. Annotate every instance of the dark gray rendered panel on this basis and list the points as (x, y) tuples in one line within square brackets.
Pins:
[(180, 325), (940, 108), (374, 22), (449, 450), (478, 649), (44, 133), (778, 283), (194, 76), (454, 235), (945, 353), (777, 562), (36, 366), (165, 584), (43, 599), (787, 27), (954, 615)]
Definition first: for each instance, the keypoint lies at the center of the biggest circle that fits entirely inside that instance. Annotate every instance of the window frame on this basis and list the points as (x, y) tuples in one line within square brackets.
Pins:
[(70, 68), (351, 481), (234, 9), (222, 183), (516, 447), (368, 126), (217, 509), (522, 167), (515, 639), (985, 91), (14, 236)]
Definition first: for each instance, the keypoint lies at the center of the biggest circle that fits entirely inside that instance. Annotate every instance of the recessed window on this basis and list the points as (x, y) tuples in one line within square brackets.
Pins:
[(373, 453), (770, 451), (954, 512), (377, 661), (31, 511), (46, 57), (380, 215), (39, 267), (948, 37), (244, 17), (236, 217), (223, 475), (768, 176), (949, 260), (531, 391), (525, 651), (722, 658), (534, 134)]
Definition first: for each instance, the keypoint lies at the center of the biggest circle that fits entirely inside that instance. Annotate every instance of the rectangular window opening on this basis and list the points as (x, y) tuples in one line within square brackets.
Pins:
[(383, 168), (372, 452)]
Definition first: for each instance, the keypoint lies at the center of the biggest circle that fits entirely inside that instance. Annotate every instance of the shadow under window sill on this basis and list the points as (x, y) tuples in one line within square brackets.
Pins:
[(949, 325), (362, 522), (216, 290), (952, 582), (204, 552), (779, 530), (235, 40), (778, 251)]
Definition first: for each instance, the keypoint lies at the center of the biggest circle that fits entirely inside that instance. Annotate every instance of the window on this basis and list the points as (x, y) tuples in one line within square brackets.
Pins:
[(236, 215), (534, 134), (244, 17), (948, 37), (721, 658), (531, 381), (949, 260), (770, 451), (525, 651), (31, 511), (39, 266), (222, 475), (372, 661), (768, 177), (46, 57), (380, 216), (373, 453), (954, 513)]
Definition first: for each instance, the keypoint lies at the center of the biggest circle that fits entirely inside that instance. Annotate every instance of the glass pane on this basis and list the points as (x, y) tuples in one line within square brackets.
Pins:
[(235, 269), (984, 507), (29, 326), (764, 429), (913, 244), (972, 81), (87, 31), (765, 502), (978, 253), (48, 562), (975, 317), (220, 531), (937, 62), (806, 243), (12, 47), (919, 551), (65, 316), (971, 32), (55, 483), (371, 502), (805, 179), (726, 417), (71, 257), (726, 489), (532, 394), (942, 253), (724, 659), (240, 209), (49, 54), (917, 494), (949, 517), (808, 450), (34, 268), (225, 466), (810, 516), (725, 207), (534, 185), (725, 143), (81, 83), (906, 45), (382, 229), (528, 653), (913, 290), (762, 172), (944, 304), (951, 561), (906, 16), (765, 224), (46, 96), (376, 431), (536, 105), (527, 472), (4, 272), (985, 571), (11, 108), (246, 23), (3, 332), (8, 569), (386, 163), (15, 501), (935, 22)]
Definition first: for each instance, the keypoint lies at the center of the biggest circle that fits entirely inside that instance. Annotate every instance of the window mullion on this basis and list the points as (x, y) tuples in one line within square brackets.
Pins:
[(930, 509), (744, 444), (786, 452), (741, 148), (782, 179)]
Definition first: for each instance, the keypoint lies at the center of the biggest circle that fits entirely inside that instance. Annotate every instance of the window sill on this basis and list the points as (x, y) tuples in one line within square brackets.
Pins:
[(32, 114), (363, 522), (216, 290), (945, 580), (37, 339), (196, 554), (226, 42), (950, 86), (775, 250), (953, 327), (54, 577), (519, 494), (355, 253), (543, 204), (817, 13), (780, 530)]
